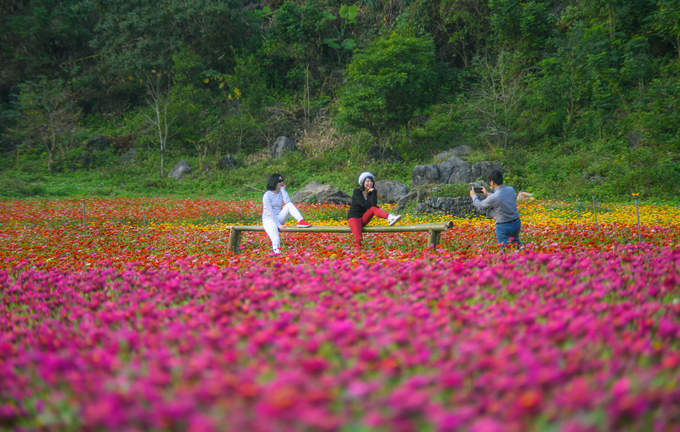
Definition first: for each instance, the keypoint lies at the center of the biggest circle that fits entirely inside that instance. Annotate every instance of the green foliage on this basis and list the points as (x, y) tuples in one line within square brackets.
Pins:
[(565, 91), (340, 43), (464, 27), (293, 41), (46, 116), (666, 22), (451, 190), (387, 84), (42, 38), (138, 36), (522, 26)]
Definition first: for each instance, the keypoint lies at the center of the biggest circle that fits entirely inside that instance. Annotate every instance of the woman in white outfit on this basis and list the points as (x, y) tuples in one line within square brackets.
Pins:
[(276, 207)]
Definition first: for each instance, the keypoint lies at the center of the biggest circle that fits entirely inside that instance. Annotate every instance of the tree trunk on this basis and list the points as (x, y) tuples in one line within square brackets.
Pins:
[(408, 134), (162, 161)]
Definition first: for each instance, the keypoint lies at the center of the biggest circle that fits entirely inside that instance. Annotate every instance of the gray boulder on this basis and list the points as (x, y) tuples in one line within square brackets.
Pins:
[(457, 206), (390, 191), (180, 170), (404, 200), (317, 192), (128, 155), (98, 143), (456, 151), (282, 145), (454, 170), (484, 169), (227, 163), (424, 174)]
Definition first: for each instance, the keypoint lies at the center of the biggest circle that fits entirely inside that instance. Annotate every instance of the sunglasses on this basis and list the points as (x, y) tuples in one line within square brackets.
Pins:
[(280, 180)]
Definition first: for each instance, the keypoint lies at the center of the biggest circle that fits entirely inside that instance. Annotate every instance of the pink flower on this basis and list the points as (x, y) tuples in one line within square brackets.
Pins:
[(486, 424)]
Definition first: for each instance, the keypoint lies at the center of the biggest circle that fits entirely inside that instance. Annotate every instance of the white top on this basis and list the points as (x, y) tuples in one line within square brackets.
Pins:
[(272, 204)]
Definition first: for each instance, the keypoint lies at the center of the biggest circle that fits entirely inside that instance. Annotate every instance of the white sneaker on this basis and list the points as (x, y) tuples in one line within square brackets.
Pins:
[(277, 250), (392, 219)]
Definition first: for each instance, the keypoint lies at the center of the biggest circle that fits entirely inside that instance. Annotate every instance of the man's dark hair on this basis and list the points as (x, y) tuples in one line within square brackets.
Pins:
[(496, 177), (273, 181)]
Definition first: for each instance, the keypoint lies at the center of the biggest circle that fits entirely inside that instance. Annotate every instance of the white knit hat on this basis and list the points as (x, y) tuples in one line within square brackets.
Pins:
[(364, 176)]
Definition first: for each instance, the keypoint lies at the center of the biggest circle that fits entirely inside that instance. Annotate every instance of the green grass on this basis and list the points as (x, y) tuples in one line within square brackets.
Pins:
[(141, 177), (559, 171)]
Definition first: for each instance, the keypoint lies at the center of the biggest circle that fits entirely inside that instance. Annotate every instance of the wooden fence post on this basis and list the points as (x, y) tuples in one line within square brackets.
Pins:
[(637, 211), (433, 239), (234, 240), (597, 226)]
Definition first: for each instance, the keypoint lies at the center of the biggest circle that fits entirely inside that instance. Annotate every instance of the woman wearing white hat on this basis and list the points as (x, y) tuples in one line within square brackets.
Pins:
[(365, 206)]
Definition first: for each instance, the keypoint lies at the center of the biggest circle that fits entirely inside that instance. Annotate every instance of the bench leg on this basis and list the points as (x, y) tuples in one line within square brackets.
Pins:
[(433, 239), (234, 240)]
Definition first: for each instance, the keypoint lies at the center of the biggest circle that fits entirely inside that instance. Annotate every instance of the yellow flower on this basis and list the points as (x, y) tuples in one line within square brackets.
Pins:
[(229, 97)]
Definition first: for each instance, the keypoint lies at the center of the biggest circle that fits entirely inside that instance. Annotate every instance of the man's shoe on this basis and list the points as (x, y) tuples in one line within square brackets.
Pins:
[(392, 219), (303, 224)]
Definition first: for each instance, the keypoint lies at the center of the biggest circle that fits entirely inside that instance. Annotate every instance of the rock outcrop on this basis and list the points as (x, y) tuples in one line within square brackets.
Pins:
[(459, 151), (452, 171), (98, 142), (179, 171), (317, 192), (281, 146), (390, 191), (226, 163), (457, 206)]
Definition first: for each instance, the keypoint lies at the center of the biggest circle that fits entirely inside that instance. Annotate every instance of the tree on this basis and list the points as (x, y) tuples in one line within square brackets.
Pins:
[(387, 84), (497, 94), (667, 22), (43, 37), (47, 114), (466, 24), (163, 117), (340, 43), (134, 36)]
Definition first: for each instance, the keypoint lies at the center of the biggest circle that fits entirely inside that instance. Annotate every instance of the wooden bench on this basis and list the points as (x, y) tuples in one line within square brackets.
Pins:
[(434, 229)]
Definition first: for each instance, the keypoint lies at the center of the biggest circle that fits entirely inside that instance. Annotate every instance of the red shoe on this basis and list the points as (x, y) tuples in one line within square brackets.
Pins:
[(303, 224)]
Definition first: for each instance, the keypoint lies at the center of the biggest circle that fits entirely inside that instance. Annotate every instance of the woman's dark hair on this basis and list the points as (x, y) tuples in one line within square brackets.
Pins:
[(273, 181), (497, 177), (363, 188)]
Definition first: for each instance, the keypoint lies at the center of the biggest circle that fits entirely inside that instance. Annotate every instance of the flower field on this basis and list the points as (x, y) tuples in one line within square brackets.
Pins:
[(131, 315)]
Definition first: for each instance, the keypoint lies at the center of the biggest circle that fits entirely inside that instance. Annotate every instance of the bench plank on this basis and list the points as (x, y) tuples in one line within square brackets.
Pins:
[(345, 229), (433, 229)]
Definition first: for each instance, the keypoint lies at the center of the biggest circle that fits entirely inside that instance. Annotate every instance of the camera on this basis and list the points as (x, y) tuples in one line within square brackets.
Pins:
[(478, 190)]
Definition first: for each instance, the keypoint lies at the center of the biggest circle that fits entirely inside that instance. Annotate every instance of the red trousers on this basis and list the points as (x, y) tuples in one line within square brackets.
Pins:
[(357, 224)]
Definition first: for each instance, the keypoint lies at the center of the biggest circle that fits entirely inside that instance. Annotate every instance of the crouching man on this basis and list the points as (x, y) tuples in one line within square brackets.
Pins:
[(502, 204)]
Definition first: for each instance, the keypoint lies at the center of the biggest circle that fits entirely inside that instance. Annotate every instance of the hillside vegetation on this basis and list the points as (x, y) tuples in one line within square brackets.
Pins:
[(572, 96)]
